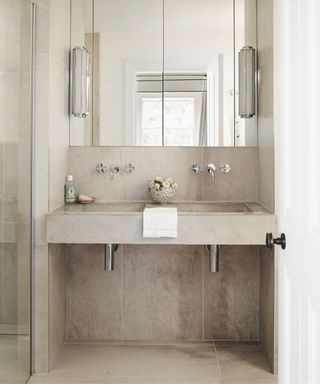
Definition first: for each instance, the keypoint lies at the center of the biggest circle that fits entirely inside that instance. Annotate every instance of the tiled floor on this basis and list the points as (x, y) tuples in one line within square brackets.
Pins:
[(187, 363)]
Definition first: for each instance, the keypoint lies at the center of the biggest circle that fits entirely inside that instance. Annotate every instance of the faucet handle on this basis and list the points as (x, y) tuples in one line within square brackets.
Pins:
[(225, 168), (196, 168), (129, 168), (212, 170), (101, 168)]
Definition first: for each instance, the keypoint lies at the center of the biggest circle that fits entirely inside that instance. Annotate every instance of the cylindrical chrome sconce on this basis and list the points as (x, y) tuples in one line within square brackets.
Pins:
[(80, 82), (214, 257), (247, 83)]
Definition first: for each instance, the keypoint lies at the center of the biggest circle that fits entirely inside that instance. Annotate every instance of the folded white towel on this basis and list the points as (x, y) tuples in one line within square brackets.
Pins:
[(160, 222)]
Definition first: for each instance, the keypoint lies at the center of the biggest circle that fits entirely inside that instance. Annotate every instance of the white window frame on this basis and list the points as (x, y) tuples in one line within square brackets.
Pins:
[(197, 96)]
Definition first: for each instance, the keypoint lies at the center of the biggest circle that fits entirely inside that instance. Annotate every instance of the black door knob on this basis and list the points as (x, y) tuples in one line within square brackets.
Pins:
[(270, 241)]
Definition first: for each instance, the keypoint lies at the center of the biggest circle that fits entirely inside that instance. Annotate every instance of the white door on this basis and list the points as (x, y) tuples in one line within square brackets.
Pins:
[(297, 124)]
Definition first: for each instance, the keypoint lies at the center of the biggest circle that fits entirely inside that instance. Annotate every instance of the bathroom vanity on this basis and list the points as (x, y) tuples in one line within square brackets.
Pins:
[(199, 223)]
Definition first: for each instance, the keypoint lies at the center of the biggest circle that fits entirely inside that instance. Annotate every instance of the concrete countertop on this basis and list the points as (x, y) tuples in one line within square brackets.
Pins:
[(198, 223)]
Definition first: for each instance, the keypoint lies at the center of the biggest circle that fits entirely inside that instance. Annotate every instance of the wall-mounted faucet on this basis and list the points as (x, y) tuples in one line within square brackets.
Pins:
[(113, 170), (102, 168), (211, 168)]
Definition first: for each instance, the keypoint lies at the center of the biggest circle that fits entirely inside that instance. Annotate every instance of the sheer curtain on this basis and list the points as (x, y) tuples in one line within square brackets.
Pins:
[(203, 130)]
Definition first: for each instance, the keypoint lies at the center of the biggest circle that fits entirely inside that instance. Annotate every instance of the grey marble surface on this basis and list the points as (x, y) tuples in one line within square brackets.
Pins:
[(183, 207), (74, 225), (162, 293), (268, 305), (241, 184), (179, 363)]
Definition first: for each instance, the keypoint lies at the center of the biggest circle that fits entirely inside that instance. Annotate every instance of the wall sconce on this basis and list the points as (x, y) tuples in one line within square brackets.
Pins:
[(247, 83), (80, 82)]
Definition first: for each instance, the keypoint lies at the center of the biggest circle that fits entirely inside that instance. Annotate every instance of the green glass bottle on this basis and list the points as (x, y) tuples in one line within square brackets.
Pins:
[(69, 191)]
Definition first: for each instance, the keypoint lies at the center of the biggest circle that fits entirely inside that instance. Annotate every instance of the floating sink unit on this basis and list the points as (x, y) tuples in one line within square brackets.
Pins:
[(198, 223)]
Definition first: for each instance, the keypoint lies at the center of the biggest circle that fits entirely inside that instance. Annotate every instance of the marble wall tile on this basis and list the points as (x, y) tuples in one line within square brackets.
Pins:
[(57, 307), (165, 162), (93, 295), (240, 184), (231, 297), (267, 305), (162, 293), (82, 165), (40, 309)]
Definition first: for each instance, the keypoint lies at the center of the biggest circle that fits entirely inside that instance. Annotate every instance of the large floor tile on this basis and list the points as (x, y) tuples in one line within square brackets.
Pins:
[(239, 352), (156, 363), (135, 364), (244, 365)]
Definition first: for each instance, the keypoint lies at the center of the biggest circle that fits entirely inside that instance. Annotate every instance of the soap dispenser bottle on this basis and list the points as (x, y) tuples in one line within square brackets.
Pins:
[(69, 191)]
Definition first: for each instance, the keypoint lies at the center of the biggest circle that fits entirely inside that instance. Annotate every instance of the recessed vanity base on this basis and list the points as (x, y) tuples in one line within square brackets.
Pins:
[(199, 223)]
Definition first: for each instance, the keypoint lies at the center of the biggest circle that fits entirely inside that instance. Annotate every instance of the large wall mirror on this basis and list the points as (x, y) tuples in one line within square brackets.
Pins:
[(161, 72)]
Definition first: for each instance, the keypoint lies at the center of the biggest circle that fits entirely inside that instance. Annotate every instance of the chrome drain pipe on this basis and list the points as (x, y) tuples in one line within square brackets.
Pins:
[(109, 251), (214, 258)]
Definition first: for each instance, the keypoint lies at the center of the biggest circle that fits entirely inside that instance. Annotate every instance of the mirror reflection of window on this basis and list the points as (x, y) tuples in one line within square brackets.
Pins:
[(184, 114), (181, 119), (149, 128)]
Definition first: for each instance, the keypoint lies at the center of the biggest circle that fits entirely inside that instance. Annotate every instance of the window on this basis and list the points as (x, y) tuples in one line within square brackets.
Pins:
[(181, 119), (151, 121)]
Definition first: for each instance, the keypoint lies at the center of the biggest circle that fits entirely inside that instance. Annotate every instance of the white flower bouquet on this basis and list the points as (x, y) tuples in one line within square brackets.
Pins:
[(162, 190)]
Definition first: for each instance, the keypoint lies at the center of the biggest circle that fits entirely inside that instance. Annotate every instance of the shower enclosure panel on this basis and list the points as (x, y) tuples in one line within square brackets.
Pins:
[(15, 188)]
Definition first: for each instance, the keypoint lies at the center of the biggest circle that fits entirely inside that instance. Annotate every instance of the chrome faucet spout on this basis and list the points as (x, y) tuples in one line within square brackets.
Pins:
[(212, 170), (113, 170)]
